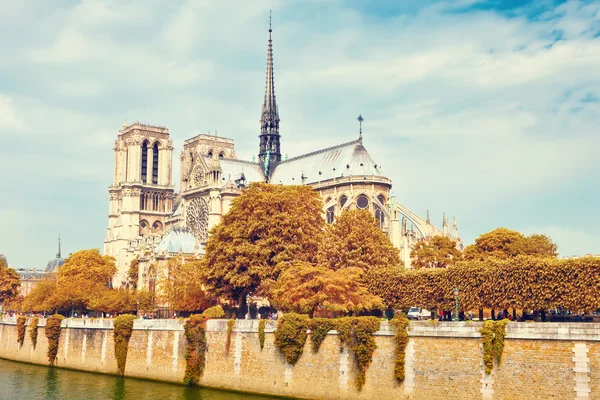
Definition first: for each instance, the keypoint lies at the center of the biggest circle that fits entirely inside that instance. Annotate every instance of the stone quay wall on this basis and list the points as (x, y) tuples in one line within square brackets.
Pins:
[(443, 360)]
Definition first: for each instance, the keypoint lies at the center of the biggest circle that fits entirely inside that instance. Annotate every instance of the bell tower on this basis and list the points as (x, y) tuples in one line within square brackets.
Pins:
[(270, 147), (141, 195)]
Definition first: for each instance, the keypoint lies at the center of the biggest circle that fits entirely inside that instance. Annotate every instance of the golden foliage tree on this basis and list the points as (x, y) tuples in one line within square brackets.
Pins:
[(437, 252), (41, 296), (305, 287), (85, 275), (355, 240), (10, 282), (266, 226), (504, 243), (181, 285)]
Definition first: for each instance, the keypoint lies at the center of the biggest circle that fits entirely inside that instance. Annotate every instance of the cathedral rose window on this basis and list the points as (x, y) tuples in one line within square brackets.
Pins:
[(197, 218), (362, 202)]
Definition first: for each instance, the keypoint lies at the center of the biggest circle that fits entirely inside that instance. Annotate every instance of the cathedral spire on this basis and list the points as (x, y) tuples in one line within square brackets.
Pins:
[(269, 120), (58, 254)]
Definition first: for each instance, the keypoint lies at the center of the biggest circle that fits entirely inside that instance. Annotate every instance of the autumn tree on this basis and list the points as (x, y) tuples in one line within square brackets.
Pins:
[(10, 282), (42, 295), (84, 275), (305, 287), (267, 226), (355, 240), (436, 252), (132, 273), (181, 285), (540, 245), (504, 243)]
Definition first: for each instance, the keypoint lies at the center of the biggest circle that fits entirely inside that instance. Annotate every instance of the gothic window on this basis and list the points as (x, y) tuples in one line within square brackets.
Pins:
[(379, 216), (381, 199), (362, 202), (155, 164), (157, 227), (343, 201), (210, 153), (144, 160), (196, 218), (330, 215), (221, 156), (144, 227)]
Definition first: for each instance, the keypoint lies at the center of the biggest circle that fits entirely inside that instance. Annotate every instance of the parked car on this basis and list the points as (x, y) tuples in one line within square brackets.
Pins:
[(418, 313)]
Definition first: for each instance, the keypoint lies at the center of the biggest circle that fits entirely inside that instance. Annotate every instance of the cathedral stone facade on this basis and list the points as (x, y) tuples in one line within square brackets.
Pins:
[(149, 222)]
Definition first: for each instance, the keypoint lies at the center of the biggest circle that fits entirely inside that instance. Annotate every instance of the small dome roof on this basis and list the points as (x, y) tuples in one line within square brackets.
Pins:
[(178, 239)]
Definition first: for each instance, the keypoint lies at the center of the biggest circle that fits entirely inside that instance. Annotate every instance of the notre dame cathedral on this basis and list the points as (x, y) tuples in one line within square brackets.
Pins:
[(149, 222)]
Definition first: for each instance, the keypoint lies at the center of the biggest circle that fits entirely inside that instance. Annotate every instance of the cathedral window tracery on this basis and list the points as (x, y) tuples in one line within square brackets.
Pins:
[(197, 218)]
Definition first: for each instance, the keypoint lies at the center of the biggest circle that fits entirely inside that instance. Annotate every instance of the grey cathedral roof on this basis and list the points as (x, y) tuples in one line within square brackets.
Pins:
[(344, 160)]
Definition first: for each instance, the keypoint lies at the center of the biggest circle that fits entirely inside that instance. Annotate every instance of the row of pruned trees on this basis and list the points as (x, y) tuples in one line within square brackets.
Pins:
[(521, 282)]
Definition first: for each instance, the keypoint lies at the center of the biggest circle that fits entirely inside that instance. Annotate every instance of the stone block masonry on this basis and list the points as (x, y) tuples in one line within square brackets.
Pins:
[(443, 360)]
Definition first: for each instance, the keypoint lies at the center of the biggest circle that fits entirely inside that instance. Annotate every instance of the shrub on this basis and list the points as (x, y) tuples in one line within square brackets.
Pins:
[(291, 335), (230, 325), (195, 356), (356, 333), (33, 330), (21, 329), (215, 312), (52, 332), (123, 327), (400, 323), (318, 331), (493, 333), (364, 345), (261, 333)]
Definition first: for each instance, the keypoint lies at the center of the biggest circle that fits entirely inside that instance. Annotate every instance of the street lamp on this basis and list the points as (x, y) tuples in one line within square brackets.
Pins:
[(138, 307), (248, 304), (456, 299)]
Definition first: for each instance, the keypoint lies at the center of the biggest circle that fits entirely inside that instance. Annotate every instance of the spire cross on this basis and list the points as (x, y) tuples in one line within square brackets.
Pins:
[(270, 21), (360, 121)]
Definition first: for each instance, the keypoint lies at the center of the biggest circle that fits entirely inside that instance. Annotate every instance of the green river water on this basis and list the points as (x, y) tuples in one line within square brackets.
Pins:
[(20, 381)]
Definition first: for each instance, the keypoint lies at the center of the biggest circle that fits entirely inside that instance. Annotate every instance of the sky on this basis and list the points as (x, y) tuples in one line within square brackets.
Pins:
[(486, 110)]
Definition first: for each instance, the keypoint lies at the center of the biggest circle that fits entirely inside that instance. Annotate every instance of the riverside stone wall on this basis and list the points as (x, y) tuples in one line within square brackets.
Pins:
[(443, 360)]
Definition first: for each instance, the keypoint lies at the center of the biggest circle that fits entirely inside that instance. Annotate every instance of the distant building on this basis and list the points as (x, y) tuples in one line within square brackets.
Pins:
[(30, 278), (53, 264)]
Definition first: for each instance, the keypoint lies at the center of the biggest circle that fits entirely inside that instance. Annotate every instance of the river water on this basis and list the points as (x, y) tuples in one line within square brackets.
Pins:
[(20, 381)]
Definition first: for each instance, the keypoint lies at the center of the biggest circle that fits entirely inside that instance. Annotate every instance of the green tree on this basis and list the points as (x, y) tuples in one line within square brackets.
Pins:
[(304, 287), (266, 226), (10, 282), (355, 240), (437, 252)]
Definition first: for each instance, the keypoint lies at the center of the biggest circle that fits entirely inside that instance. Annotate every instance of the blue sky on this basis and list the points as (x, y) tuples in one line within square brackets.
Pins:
[(487, 110)]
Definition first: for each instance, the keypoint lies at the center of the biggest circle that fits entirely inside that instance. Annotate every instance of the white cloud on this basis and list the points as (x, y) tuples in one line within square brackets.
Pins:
[(9, 120)]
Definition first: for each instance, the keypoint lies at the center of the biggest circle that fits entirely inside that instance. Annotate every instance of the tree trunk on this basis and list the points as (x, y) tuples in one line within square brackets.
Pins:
[(481, 314), (514, 314), (493, 314)]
